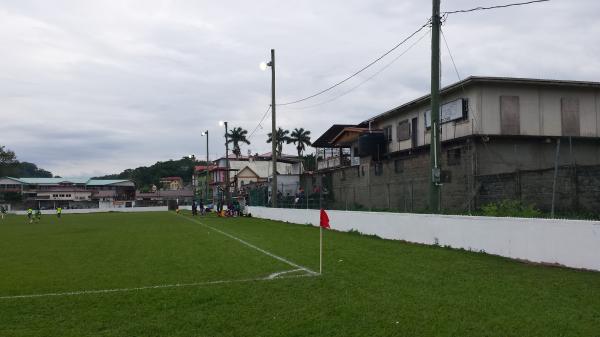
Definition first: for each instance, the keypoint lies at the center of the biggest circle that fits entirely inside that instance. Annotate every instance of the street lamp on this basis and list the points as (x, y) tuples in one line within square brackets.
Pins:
[(264, 66), (205, 133), (227, 191)]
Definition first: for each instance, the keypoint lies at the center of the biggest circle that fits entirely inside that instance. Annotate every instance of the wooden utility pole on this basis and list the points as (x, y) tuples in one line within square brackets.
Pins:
[(434, 149)]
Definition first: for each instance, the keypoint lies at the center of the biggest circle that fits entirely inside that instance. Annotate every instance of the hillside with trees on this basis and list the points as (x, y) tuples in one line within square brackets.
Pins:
[(146, 176), (10, 166)]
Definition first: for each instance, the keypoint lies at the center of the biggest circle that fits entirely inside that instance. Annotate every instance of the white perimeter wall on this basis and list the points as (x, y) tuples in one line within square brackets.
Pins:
[(102, 210), (570, 243)]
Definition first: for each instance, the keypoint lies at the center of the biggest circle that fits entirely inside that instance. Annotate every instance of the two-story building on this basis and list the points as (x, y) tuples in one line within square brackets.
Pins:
[(502, 138), (70, 192)]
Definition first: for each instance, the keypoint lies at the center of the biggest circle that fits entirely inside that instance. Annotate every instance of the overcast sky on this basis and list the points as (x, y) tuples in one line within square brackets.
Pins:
[(94, 87)]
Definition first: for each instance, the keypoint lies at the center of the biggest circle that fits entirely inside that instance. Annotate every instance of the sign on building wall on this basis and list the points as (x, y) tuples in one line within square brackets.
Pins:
[(450, 111)]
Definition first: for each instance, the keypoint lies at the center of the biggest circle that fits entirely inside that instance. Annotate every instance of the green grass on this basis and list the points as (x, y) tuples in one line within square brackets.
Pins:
[(370, 287)]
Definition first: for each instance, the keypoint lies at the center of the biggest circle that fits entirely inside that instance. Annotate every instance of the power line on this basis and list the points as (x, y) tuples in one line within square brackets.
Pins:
[(493, 7), (360, 70), (450, 53), (261, 120), (367, 79)]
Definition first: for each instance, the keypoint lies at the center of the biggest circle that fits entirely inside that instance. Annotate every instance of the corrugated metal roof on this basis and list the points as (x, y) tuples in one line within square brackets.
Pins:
[(103, 182), (53, 181), (75, 181)]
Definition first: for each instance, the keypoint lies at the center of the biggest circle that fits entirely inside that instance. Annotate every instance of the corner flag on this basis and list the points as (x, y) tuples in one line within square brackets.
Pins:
[(324, 223)]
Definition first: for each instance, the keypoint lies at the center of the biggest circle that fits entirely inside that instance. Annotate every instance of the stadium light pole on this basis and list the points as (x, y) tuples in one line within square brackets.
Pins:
[(205, 133), (263, 66), (227, 191), (194, 180)]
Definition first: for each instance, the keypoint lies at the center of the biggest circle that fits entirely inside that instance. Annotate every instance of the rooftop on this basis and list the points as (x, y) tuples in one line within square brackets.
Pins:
[(71, 181)]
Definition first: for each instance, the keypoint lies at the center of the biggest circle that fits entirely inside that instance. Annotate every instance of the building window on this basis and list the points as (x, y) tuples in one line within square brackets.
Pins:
[(510, 123), (403, 130), (454, 157), (569, 112), (387, 133), (378, 168), (398, 166)]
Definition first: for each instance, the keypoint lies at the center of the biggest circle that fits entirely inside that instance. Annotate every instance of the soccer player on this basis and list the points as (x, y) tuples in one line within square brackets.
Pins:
[(38, 215), (2, 212), (30, 215), (201, 205), (58, 211)]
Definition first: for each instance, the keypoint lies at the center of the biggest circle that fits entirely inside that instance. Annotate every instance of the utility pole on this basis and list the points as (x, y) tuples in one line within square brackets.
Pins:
[(434, 149), (273, 133)]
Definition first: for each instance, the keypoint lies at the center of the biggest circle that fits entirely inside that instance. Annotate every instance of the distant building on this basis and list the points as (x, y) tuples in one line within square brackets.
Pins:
[(69, 192), (182, 196), (202, 182), (501, 139), (171, 183), (245, 170)]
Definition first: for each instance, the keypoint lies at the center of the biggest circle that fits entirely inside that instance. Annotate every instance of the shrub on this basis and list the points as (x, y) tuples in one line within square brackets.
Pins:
[(511, 208)]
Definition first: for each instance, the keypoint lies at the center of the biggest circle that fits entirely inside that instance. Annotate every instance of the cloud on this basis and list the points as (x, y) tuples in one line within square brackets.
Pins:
[(89, 88)]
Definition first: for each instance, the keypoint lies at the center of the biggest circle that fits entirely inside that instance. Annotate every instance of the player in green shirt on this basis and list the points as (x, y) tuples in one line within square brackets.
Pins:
[(58, 211), (30, 215)]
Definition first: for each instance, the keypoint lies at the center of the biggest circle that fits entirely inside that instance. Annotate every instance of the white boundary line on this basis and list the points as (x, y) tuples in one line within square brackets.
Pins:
[(314, 273), (274, 276)]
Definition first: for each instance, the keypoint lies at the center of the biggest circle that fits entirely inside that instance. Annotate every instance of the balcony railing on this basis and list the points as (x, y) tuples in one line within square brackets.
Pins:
[(335, 162)]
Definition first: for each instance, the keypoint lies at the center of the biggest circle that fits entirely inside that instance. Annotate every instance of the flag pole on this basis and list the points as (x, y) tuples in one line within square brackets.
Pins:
[(320, 250)]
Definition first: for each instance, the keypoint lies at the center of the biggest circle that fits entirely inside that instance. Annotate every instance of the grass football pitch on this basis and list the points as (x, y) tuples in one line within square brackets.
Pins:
[(162, 274)]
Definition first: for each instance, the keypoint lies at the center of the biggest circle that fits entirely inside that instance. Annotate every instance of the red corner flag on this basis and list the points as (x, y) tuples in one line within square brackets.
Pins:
[(324, 219)]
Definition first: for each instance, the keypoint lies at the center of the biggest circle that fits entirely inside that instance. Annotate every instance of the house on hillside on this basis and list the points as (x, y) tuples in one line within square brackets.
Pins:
[(502, 138), (171, 183)]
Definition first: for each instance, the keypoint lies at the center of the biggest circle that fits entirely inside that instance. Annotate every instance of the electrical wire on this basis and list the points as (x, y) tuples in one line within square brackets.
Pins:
[(361, 69), (493, 7), (367, 79), (259, 123)]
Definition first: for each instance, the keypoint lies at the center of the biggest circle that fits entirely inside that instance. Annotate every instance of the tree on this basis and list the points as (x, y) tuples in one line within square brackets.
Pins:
[(236, 136), (7, 156), (300, 138), (280, 137), (10, 166)]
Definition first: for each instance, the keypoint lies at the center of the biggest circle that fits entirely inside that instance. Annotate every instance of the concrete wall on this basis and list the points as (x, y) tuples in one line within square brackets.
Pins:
[(486, 171), (402, 183), (566, 242)]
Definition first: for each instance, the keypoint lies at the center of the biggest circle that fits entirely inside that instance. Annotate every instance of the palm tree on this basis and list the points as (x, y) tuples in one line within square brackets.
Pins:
[(236, 136), (300, 138), (280, 137)]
